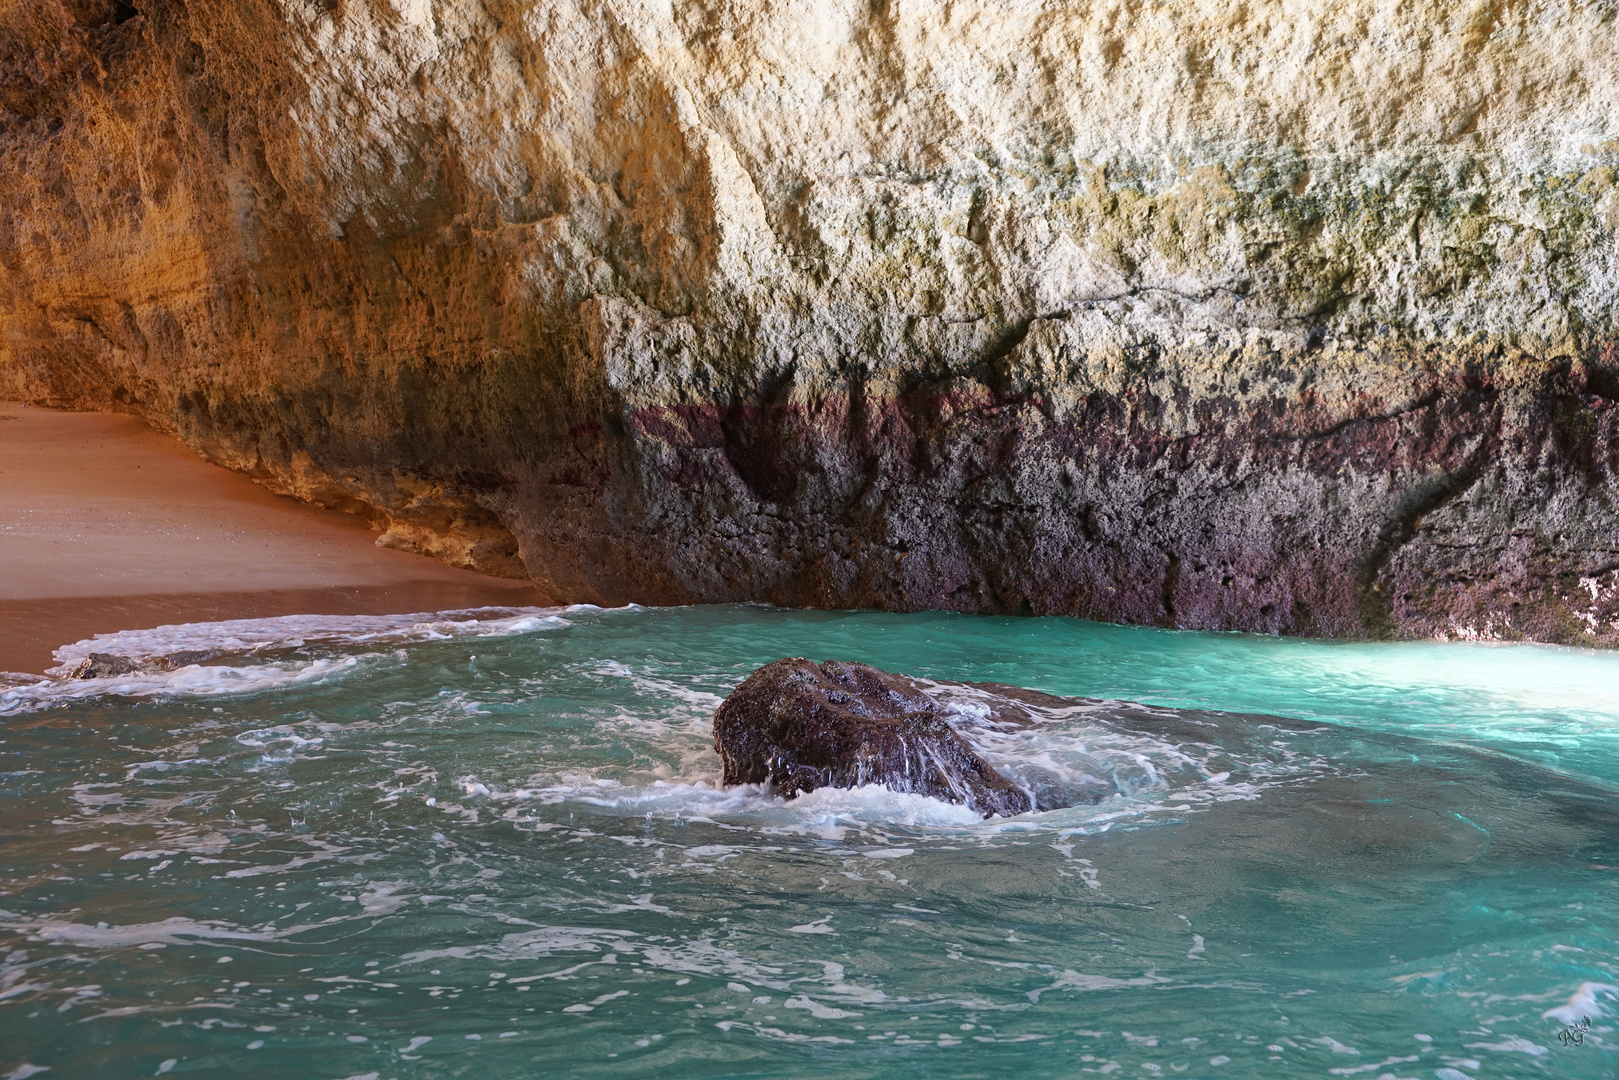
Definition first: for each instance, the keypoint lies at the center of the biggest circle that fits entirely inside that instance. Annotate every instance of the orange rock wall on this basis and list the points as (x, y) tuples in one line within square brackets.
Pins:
[(1279, 317)]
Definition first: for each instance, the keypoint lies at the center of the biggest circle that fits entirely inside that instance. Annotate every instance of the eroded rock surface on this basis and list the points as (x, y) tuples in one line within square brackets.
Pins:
[(1275, 316), (103, 666), (99, 665), (801, 726)]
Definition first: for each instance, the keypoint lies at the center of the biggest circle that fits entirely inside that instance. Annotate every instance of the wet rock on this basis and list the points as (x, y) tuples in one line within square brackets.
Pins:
[(184, 658), (103, 665), (802, 726)]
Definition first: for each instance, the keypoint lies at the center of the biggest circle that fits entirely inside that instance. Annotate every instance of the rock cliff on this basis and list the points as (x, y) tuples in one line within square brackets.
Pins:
[(1290, 317)]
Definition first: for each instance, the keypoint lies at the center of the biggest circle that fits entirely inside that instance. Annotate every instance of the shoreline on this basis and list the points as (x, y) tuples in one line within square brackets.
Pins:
[(31, 630), (108, 525)]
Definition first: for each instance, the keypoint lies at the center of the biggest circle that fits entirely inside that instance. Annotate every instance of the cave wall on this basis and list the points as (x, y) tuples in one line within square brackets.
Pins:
[(1293, 318)]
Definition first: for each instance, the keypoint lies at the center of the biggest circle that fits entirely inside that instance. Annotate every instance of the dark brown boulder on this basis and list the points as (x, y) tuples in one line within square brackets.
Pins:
[(802, 726), (103, 666)]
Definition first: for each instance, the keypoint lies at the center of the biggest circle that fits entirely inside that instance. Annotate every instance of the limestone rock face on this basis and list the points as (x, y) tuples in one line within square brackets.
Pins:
[(1290, 317), (801, 726)]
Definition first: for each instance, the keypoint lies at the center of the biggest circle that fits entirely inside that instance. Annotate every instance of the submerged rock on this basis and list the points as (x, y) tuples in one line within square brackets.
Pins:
[(103, 666), (801, 726), (106, 665)]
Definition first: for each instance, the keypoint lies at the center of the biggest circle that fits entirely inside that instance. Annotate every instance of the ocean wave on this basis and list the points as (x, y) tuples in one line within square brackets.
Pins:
[(1122, 775), (247, 636), (174, 660), (193, 680)]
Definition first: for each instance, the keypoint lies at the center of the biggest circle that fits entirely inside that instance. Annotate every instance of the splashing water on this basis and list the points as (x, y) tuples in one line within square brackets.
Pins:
[(493, 844)]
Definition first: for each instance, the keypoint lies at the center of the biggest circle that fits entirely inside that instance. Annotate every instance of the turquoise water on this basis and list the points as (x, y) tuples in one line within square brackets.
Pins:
[(496, 849)]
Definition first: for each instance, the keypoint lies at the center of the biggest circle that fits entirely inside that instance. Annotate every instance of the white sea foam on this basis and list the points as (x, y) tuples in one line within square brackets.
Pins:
[(295, 631), (840, 814), (574, 948), (248, 637), (377, 901), (193, 680), (829, 813), (1072, 753), (1079, 755), (1584, 1003), (1074, 980), (176, 931), (816, 1009)]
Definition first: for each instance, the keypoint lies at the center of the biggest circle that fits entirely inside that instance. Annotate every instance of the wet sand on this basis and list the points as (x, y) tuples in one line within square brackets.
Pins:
[(108, 525)]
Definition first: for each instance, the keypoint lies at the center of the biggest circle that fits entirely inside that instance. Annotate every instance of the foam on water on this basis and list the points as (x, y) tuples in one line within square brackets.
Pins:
[(238, 636), (831, 813), (193, 680), (1109, 773), (249, 637)]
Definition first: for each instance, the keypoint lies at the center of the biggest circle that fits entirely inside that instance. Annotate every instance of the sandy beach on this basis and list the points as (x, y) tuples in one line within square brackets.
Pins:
[(108, 525)]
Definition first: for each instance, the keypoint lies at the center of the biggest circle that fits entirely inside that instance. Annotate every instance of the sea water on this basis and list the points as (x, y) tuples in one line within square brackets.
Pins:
[(495, 844)]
